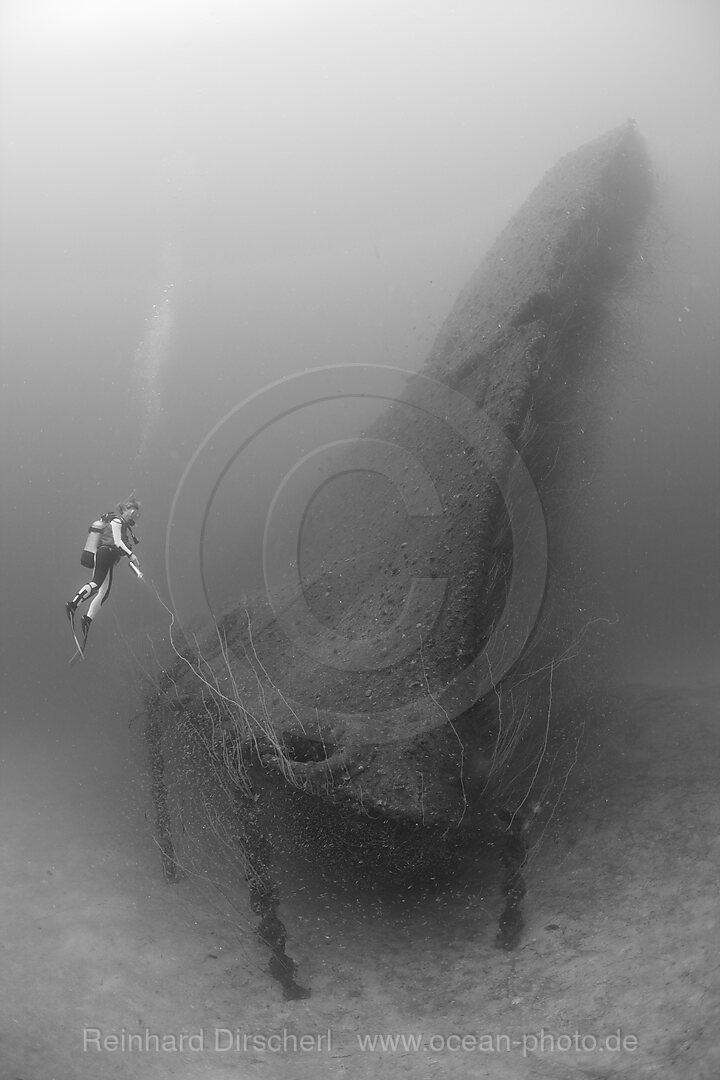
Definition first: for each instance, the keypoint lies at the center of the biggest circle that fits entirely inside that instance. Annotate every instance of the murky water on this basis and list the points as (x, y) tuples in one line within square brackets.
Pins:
[(197, 202)]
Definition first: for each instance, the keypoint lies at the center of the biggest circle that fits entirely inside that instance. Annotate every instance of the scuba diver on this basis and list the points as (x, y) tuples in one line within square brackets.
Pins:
[(110, 538)]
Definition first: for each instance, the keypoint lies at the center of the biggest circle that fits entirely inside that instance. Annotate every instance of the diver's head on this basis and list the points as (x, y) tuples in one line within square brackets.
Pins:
[(129, 511)]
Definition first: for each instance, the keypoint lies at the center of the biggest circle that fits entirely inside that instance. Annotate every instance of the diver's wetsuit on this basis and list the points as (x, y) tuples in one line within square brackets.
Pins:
[(113, 544)]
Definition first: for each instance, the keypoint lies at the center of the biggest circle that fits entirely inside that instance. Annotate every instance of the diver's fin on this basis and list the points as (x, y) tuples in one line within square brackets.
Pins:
[(79, 649)]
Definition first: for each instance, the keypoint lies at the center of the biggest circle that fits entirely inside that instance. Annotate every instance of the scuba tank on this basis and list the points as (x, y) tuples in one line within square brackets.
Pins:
[(87, 558)]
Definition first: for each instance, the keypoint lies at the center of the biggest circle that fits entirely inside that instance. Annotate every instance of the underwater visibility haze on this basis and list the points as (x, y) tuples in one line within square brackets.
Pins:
[(202, 207)]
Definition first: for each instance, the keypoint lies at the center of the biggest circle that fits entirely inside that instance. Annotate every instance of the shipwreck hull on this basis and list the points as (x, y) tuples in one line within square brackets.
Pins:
[(449, 728)]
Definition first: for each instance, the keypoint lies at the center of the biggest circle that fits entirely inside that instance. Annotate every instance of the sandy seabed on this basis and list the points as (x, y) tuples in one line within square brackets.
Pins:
[(106, 971)]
